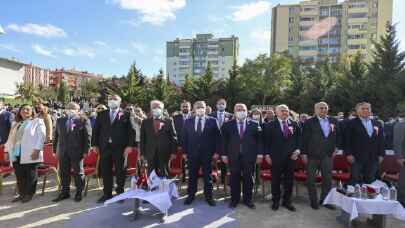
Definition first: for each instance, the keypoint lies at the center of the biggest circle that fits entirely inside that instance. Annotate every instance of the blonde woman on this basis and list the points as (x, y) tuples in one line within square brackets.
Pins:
[(41, 112), (25, 146)]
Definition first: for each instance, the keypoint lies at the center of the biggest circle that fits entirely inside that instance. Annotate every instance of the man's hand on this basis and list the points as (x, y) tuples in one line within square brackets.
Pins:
[(295, 155), (268, 159), (172, 156), (216, 156), (401, 162), (35, 154), (141, 158), (185, 157), (259, 159), (380, 159), (95, 149), (350, 159), (225, 159), (304, 158), (127, 151)]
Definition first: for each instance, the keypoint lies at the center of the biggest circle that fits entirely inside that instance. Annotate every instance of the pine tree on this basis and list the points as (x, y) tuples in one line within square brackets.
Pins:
[(63, 92)]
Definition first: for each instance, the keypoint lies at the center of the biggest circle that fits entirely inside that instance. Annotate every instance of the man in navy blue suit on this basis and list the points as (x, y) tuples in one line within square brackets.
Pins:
[(282, 143), (242, 148), (200, 140)]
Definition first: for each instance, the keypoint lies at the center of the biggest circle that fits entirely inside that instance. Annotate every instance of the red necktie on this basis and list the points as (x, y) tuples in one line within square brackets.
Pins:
[(241, 130), (285, 129), (156, 123)]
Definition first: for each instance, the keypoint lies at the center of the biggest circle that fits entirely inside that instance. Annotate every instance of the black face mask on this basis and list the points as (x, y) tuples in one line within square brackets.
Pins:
[(185, 111)]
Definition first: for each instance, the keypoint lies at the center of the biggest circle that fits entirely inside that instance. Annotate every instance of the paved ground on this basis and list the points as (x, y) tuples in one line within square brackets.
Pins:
[(42, 212)]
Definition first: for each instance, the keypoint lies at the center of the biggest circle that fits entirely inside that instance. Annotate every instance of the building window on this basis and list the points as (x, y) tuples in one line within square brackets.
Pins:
[(356, 36), (358, 5), (307, 19), (291, 20), (308, 48), (358, 15), (357, 46)]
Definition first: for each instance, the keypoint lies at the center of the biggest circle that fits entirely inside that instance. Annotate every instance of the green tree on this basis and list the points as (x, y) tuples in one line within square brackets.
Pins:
[(385, 82), (63, 92), (26, 91), (206, 87), (234, 86)]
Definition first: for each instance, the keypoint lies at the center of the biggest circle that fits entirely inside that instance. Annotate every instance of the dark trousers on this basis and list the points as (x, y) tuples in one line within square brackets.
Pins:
[(159, 165), (325, 166), (112, 156), (27, 177), (68, 168), (282, 173), (242, 170), (194, 165), (364, 172)]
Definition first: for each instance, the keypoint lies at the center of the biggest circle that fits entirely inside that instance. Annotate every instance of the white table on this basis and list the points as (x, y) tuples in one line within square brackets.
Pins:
[(353, 207)]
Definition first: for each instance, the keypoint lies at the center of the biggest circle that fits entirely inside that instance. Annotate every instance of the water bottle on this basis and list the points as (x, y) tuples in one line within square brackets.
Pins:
[(393, 193), (385, 193), (363, 194), (357, 191)]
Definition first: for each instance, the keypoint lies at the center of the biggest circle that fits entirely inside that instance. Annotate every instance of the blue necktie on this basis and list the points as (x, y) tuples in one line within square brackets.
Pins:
[(199, 126)]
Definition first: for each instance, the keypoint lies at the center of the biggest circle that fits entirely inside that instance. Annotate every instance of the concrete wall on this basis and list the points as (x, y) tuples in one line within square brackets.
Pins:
[(10, 74)]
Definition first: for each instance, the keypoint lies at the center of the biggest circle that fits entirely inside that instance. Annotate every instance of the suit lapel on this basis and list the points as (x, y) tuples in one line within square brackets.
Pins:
[(364, 128), (319, 127)]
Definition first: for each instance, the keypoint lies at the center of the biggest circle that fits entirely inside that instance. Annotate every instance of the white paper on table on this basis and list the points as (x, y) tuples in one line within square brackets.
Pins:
[(377, 184), (160, 200), (153, 180)]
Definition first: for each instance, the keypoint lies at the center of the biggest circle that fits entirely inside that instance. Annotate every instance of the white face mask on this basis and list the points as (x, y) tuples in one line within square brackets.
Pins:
[(221, 107), (157, 112), (256, 117), (71, 113), (241, 115), (113, 104), (200, 112)]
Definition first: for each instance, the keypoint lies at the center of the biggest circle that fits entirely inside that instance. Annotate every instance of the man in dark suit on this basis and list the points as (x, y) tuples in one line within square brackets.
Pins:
[(201, 139), (158, 140), (222, 117), (399, 148), (181, 118), (242, 148), (319, 143), (113, 138), (282, 148), (365, 145), (5, 123), (72, 141)]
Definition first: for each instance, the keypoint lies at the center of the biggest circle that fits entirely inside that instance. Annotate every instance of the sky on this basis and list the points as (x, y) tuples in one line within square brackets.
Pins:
[(106, 36)]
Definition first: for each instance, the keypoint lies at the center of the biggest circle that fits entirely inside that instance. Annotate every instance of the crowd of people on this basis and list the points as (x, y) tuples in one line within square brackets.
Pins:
[(240, 141)]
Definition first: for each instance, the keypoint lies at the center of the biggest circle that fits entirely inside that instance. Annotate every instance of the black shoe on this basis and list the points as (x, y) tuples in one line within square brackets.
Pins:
[(78, 197), (315, 206), (211, 202), (289, 206), (233, 204), (61, 196), (16, 199), (330, 207), (250, 205), (275, 206), (26, 198), (189, 201), (103, 199)]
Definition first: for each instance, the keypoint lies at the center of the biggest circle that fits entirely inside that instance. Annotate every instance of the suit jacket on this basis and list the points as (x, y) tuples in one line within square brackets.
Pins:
[(249, 146), (276, 145), (314, 143), (163, 142), (120, 131), (201, 146), (399, 139), (228, 116), (5, 126), (360, 145), (389, 135), (178, 124), (75, 141)]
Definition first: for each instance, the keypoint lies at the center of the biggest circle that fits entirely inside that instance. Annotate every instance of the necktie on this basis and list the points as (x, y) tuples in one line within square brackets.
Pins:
[(156, 124), (199, 126), (112, 116), (285, 129), (221, 118), (241, 129)]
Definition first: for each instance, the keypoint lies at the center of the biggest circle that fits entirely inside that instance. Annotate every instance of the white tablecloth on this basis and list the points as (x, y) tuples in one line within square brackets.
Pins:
[(355, 206)]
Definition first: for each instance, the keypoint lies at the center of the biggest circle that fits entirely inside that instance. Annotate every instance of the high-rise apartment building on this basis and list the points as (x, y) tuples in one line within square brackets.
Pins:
[(191, 56), (317, 29)]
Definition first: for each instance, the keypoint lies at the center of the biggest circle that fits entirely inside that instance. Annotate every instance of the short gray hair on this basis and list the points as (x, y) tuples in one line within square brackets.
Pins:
[(282, 106), (321, 103), (199, 103), (239, 104), (73, 105), (161, 104)]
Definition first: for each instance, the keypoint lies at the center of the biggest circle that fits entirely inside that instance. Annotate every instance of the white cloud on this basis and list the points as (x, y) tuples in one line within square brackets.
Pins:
[(79, 51), (250, 10), (100, 43), (42, 51), (141, 48), (260, 35), (9, 47), (46, 30), (2, 30), (155, 12)]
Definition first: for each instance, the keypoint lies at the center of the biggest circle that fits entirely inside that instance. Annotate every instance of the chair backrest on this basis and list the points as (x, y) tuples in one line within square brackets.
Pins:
[(265, 165), (132, 159), (340, 163), (177, 163), (2, 155), (49, 157), (90, 160), (390, 164)]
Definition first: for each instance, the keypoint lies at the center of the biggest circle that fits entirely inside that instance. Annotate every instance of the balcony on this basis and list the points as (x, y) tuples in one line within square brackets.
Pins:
[(358, 10), (357, 20), (357, 41), (308, 53)]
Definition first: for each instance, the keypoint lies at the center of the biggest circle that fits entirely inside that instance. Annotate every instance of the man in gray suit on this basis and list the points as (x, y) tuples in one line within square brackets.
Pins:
[(399, 148), (72, 140)]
